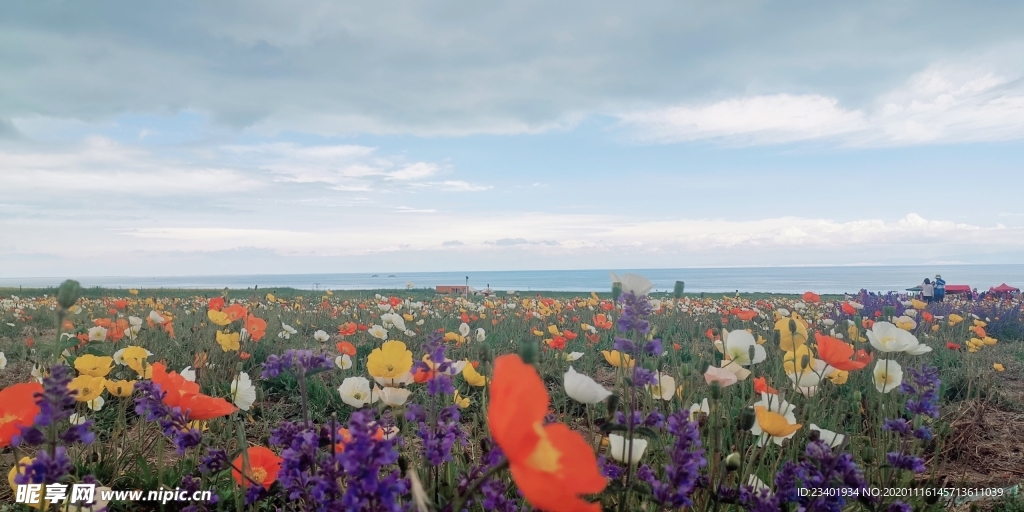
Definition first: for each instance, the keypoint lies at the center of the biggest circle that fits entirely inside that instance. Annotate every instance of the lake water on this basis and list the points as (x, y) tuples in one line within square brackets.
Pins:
[(746, 279)]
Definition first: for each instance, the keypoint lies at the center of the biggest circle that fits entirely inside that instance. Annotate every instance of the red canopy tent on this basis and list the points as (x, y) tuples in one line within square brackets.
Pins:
[(952, 289), (1004, 289)]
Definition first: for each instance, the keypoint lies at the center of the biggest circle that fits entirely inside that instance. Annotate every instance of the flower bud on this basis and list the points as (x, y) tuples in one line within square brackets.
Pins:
[(616, 291), (751, 352), (747, 419), (733, 461), (792, 326), (613, 405), (678, 291), (857, 396), (528, 351), (685, 370), (868, 454), (716, 390), (69, 293)]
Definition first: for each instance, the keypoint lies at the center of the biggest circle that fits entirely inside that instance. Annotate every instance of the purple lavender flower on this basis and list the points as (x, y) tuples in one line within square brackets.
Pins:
[(492, 491), (924, 385), (821, 469), (610, 469), (899, 506), (643, 377), (624, 345), (904, 461), (362, 461), (682, 472), (635, 311), (173, 422), (899, 425), (46, 468), (299, 362), (439, 435)]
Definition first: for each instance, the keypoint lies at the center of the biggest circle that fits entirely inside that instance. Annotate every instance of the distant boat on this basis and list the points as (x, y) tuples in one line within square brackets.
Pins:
[(375, 275), (392, 275)]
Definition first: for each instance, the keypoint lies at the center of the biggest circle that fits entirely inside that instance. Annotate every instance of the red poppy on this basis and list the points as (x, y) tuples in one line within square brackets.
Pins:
[(347, 329), (557, 343), (464, 318), (346, 348), (569, 335), (551, 464), (394, 301), (362, 327), (837, 354), (868, 323), (215, 303), (811, 297), (180, 392), (953, 346), (263, 466), (927, 317), (746, 314), (849, 309), (18, 408), (761, 386), (420, 375), (120, 303), (607, 306)]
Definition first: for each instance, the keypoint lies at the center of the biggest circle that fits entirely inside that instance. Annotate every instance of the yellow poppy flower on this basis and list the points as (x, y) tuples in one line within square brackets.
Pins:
[(270, 297), (133, 291), (918, 304), (988, 340), (472, 376), (617, 359), (774, 424), (120, 388), (94, 366), (955, 319), (794, 361), (854, 332), (554, 330), (228, 341), (461, 401), (88, 388), (980, 323), (408, 317), (839, 377), (390, 360), (454, 337), (998, 367), (218, 317), (135, 358), (792, 333)]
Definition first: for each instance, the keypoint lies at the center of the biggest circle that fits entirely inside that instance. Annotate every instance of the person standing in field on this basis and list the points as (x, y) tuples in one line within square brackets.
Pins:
[(928, 290), (940, 288)]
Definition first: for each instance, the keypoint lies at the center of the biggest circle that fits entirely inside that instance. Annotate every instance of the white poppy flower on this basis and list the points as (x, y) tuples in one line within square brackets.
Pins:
[(582, 388), (157, 318), (464, 329), (406, 378), (737, 347), (77, 419), (394, 397), (321, 336), (833, 439), (96, 404), (481, 335), (379, 332), (572, 356), (697, 409), (886, 337), (635, 283), (619, 446), (343, 361), (188, 374), (775, 404), (888, 375), (665, 389), (355, 391), (3, 361), (97, 333), (243, 393)]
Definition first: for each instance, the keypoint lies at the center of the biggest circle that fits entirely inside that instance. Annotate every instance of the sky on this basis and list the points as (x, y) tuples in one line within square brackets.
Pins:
[(240, 137)]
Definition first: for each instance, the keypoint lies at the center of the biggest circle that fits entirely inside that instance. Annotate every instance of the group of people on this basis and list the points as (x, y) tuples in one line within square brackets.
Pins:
[(933, 291)]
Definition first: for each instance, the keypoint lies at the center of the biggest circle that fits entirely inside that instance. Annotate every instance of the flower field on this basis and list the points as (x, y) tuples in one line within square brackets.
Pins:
[(408, 400)]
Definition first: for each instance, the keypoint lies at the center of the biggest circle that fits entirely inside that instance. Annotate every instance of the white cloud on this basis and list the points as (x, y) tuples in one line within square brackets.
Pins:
[(942, 104)]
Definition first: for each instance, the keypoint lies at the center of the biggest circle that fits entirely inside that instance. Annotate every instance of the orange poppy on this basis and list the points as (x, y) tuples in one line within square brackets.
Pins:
[(551, 464), (18, 408), (927, 317), (849, 309), (256, 327), (180, 392), (236, 312), (263, 466), (602, 322), (346, 437), (837, 354), (569, 335), (420, 375), (346, 348), (811, 297), (120, 303)]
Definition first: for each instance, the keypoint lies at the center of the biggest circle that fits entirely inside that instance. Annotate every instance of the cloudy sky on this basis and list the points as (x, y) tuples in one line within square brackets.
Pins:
[(184, 138)]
